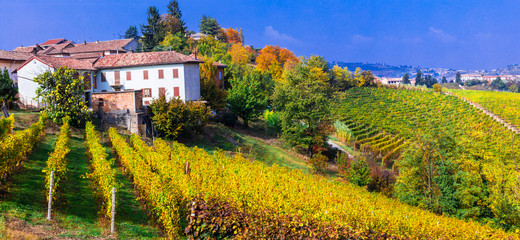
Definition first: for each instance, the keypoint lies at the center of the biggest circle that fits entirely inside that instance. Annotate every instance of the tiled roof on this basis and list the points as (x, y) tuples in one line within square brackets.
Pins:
[(56, 49), (86, 55), (57, 62), (143, 59), (53, 41), (14, 56), (99, 46), (27, 49)]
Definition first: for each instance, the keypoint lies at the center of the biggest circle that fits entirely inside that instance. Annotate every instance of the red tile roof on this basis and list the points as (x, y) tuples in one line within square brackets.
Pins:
[(53, 41), (57, 62), (27, 49), (57, 49), (100, 46), (14, 56), (143, 59)]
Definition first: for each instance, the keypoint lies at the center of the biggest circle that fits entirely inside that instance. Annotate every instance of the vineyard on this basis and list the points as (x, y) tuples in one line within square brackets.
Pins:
[(213, 195), (504, 104), (482, 150)]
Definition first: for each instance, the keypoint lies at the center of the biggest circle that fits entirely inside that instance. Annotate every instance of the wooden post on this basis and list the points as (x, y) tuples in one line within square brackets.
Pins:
[(50, 197), (112, 225)]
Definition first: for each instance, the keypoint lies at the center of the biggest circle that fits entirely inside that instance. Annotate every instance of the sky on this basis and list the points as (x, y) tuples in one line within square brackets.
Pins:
[(456, 34)]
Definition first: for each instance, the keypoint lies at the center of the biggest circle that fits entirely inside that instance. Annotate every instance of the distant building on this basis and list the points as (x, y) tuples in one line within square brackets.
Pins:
[(488, 79), (197, 36), (87, 50), (11, 61)]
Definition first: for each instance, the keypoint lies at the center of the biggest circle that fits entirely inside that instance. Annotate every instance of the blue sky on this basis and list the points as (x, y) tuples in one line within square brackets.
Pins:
[(453, 34)]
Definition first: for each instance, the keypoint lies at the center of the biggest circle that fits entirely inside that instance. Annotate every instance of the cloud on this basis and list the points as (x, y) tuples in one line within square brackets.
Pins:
[(441, 35), (358, 38), (271, 34)]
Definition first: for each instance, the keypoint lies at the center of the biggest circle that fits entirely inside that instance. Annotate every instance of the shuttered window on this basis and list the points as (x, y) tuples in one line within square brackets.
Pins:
[(145, 74), (147, 92), (128, 75), (162, 92), (117, 77), (175, 73), (161, 74), (176, 92)]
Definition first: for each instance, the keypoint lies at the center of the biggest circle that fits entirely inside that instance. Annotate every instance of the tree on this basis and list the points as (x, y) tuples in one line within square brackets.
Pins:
[(301, 98), (498, 84), (210, 26), (368, 79), (132, 32), (437, 87), (8, 90), (458, 77), (429, 81), (341, 78), (444, 80), (62, 92), (174, 117), (419, 78), (239, 54), (209, 91), (173, 21), (210, 47), (248, 96), (175, 42), (406, 78), (513, 87), (233, 36), (153, 33)]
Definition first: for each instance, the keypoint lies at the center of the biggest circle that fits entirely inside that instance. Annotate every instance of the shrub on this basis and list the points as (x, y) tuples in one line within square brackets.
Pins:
[(319, 162), (175, 117), (381, 180), (437, 87), (6, 126), (273, 121)]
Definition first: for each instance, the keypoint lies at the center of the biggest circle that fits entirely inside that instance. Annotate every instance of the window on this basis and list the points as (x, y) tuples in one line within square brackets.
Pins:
[(103, 90), (146, 102), (145, 74), (95, 83), (147, 92), (175, 91), (128, 75), (162, 92), (100, 102), (220, 75), (175, 73), (117, 77), (161, 74), (103, 77)]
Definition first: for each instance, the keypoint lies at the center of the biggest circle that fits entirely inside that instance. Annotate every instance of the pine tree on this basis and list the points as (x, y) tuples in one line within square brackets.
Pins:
[(419, 80), (175, 12), (8, 90), (132, 32), (444, 80), (153, 33), (406, 78), (458, 78)]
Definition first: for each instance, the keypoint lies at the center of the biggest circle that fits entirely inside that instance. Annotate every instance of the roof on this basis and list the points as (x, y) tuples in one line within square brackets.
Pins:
[(143, 59), (14, 56), (100, 46), (53, 41), (57, 62), (27, 49), (56, 49)]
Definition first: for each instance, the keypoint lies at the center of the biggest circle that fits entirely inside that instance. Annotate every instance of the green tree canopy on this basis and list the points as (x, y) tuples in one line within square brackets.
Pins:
[(153, 32), (444, 80), (210, 26), (406, 78), (8, 90), (419, 80), (458, 78), (175, 42), (132, 32), (249, 95), (302, 98), (63, 94)]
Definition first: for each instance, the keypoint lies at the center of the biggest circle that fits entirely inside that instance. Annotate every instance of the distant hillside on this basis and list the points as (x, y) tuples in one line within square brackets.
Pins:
[(379, 69)]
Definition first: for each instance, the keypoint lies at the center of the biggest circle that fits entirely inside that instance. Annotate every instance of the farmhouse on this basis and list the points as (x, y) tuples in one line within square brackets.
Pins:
[(169, 74), (37, 65), (11, 61)]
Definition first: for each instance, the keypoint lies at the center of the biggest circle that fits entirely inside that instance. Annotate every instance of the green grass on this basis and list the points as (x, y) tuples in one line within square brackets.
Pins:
[(75, 213), (252, 143)]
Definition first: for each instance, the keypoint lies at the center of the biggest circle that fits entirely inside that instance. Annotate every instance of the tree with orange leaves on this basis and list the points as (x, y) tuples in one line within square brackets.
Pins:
[(232, 35), (272, 59), (239, 54)]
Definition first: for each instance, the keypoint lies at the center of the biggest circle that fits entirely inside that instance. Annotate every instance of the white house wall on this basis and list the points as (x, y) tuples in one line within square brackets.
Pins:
[(188, 80), (26, 86)]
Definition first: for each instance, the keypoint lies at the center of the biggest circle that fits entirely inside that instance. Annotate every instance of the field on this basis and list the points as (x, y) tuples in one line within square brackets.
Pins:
[(481, 150), (504, 104)]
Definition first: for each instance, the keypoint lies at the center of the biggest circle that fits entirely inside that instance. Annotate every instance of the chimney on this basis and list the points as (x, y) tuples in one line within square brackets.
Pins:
[(97, 41), (84, 42)]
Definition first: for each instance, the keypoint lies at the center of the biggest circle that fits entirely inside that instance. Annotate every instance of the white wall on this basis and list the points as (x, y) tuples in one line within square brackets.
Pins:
[(188, 80), (26, 86), (132, 46)]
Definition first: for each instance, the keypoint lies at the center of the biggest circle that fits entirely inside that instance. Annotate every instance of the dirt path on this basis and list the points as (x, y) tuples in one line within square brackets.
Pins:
[(485, 111)]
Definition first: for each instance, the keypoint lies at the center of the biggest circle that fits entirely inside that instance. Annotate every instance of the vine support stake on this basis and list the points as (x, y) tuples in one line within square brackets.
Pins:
[(50, 197), (112, 225)]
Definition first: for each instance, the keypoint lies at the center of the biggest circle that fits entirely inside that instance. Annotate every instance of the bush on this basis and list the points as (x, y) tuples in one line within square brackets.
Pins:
[(273, 121), (381, 180), (175, 117), (319, 162), (437, 87)]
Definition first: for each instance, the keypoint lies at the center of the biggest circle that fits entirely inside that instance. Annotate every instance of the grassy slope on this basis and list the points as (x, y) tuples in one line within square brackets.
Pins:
[(23, 207)]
